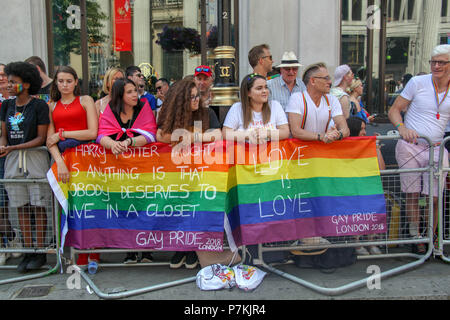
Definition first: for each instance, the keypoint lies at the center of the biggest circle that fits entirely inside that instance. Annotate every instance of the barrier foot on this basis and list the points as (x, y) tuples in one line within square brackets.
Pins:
[(128, 293), (32, 276), (351, 286)]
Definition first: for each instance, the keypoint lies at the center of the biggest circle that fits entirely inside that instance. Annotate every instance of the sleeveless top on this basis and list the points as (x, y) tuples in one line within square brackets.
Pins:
[(72, 117)]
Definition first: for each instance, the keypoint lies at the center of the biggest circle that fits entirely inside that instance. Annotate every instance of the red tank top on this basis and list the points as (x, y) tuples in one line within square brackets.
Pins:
[(71, 117)]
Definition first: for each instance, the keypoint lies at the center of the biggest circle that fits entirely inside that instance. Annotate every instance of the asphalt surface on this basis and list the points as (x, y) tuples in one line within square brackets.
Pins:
[(427, 280)]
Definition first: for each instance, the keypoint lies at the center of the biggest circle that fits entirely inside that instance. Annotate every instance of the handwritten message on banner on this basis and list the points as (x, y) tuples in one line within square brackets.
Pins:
[(156, 197)]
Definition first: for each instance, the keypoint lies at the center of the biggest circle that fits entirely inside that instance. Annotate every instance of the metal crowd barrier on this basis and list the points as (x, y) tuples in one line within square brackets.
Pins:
[(393, 242), (444, 207), (42, 243), (124, 293)]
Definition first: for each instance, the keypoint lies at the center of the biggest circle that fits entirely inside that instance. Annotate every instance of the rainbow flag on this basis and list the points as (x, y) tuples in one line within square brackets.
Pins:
[(305, 189), (140, 199), (156, 197)]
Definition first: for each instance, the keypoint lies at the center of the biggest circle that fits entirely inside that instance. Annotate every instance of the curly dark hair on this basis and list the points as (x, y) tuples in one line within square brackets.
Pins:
[(176, 112), (28, 73)]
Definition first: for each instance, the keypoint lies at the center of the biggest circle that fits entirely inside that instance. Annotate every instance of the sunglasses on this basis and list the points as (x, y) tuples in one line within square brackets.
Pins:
[(206, 69), (158, 88)]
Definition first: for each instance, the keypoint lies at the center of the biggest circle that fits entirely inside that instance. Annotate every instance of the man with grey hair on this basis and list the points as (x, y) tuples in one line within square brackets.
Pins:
[(426, 101), (343, 77)]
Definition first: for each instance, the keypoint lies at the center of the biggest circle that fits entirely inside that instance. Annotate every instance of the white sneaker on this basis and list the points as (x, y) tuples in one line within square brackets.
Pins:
[(361, 251), (3, 257), (16, 243), (374, 250)]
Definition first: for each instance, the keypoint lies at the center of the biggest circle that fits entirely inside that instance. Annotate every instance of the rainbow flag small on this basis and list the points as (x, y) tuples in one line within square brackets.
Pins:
[(305, 189)]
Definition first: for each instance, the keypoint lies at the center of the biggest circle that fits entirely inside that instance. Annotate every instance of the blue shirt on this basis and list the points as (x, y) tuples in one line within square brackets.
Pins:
[(150, 98), (279, 90)]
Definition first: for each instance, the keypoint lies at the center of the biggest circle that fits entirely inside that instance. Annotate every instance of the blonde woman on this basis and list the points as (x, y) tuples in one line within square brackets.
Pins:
[(111, 75)]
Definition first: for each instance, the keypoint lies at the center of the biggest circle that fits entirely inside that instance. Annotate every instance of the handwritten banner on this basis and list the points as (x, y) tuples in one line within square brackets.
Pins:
[(156, 197), (306, 189)]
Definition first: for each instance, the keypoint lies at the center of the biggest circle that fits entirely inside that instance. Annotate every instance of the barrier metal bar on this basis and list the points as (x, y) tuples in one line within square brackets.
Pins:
[(428, 239), (48, 270), (443, 210), (127, 293)]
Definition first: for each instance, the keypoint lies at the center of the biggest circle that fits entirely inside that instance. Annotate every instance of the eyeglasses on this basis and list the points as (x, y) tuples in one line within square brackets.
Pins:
[(204, 69), (439, 63), (288, 69), (158, 88), (193, 98), (327, 78), (270, 57)]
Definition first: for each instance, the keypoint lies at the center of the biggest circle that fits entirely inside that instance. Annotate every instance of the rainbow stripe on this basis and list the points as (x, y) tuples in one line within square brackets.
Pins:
[(283, 191)]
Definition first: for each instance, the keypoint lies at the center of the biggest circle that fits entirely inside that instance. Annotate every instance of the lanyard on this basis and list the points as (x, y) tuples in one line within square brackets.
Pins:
[(438, 115)]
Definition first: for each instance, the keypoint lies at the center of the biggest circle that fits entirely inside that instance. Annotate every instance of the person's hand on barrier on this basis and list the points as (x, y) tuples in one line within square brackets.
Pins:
[(63, 172), (408, 135), (331, 135), (253, 136), (117, 148), (52, 140), (4, 150), (263, 136)]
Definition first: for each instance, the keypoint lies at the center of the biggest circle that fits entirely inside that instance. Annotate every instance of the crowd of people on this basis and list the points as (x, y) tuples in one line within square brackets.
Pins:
[(39, 111)]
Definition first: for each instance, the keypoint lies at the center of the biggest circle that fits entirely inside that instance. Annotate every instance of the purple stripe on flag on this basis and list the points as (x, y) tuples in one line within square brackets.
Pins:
[(275, 231), (144, 239)]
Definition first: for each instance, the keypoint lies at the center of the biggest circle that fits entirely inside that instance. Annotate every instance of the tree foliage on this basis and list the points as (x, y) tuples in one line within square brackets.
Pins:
[(67, 40)]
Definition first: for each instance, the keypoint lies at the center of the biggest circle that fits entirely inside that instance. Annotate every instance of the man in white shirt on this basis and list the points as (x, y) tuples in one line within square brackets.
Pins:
[(426, 101), (314, 114), (281, 88)]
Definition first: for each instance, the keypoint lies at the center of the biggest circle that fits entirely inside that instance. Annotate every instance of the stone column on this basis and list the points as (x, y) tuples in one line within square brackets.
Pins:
[(141, 32), (430, 35)]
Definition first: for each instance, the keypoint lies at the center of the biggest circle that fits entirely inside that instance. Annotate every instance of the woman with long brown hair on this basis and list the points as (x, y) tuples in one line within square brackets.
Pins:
[(182, 109), (255, 119)]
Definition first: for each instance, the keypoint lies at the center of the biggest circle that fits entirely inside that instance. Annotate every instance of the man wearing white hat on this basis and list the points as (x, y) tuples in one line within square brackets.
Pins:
[(281, 88), (343, 77)]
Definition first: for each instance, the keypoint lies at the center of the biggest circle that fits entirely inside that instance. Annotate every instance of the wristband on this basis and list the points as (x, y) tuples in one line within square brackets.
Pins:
[(341, 136), (61, 130), (398, 125)]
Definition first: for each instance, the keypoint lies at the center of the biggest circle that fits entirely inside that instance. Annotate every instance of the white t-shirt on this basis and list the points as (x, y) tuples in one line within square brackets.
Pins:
[(317, 117), (235, 117), (421, 114)]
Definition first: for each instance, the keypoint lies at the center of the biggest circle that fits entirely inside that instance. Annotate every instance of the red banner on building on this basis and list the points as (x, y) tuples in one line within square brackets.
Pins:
[(122, 25)]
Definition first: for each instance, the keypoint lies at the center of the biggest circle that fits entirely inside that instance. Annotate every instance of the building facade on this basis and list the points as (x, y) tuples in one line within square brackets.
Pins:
[(170, 37)]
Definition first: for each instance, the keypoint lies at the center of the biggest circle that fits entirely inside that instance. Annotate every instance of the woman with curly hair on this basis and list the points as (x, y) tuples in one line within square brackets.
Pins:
[(110, 77), (24, 122), (182, 109)]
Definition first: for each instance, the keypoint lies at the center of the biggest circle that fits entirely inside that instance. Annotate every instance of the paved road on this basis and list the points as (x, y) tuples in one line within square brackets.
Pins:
[(430, 280)]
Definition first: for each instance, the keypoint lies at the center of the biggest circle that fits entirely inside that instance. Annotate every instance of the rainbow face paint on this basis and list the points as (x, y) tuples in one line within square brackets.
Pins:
[(19, 88)]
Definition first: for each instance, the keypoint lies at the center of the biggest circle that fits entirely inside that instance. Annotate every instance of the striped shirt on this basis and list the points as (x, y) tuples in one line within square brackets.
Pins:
[(279, 90)]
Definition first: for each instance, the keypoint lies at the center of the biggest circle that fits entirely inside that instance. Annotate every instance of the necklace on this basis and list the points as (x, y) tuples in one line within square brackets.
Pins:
[(438, 115), (18, 114), (66, 105)]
